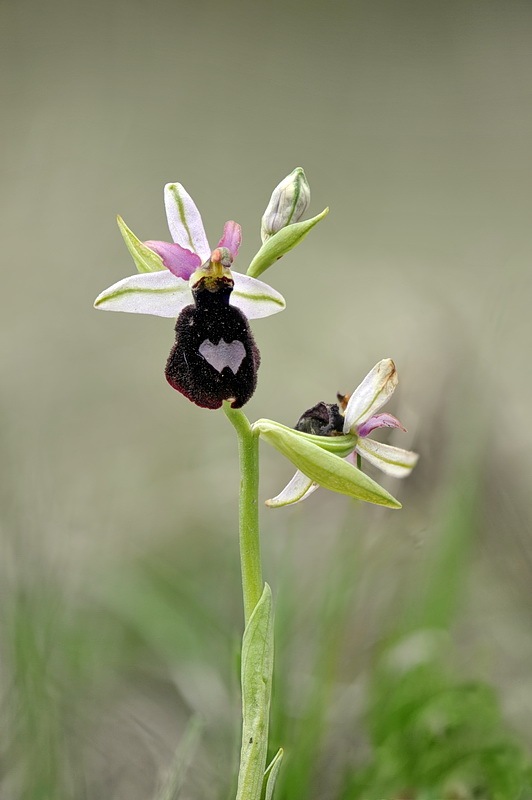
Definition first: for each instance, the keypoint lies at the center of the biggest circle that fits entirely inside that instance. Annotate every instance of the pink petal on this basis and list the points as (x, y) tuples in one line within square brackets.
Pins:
[(179, 261), (232, 237), (379, 421)]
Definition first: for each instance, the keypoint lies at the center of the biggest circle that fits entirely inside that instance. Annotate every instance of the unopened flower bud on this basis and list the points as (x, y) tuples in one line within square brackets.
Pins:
[(288, 203)]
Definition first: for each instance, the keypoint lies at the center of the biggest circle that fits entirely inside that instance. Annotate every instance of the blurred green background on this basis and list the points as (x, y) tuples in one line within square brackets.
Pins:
[(120, 616)]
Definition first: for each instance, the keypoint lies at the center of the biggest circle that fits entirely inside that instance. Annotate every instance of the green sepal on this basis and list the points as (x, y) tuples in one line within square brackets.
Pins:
[(145, 259), (281, 242), (270, 776), (339, 445), (326, 468), (257, 670)]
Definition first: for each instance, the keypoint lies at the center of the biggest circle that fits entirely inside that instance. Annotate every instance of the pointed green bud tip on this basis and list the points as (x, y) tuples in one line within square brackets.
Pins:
[(281, 242), (289, 201)]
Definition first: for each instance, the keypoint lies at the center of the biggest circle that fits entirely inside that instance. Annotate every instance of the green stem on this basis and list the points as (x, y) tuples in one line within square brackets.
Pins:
[(248, 449), (257, 643)]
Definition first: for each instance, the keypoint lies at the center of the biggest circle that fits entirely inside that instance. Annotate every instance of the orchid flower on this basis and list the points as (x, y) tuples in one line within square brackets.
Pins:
[(214, 357), (359, 419), (162, 286)]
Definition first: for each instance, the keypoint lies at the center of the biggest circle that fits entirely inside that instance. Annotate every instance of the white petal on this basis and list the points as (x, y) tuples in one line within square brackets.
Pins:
[(374, 391), (299, 488), (184, 220), (158, 293), (392, 460), (255, 298)]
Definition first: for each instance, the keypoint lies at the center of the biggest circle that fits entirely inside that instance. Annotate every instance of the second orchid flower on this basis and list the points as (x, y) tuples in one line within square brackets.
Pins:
[(355, 416)]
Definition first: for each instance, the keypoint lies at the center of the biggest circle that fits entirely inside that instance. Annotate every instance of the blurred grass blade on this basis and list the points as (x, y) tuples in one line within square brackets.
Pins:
[(444, 576), (270, 776), (175, 779)]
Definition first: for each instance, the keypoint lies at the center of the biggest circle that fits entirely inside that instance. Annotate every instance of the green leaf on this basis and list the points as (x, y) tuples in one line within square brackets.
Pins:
[(340, 445), (281, 242), (145, 259), (323, 467), (257, 669), (270, 776)]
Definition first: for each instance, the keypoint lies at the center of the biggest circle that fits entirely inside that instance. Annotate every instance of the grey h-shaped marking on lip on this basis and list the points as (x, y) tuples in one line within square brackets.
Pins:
[(224, 354)]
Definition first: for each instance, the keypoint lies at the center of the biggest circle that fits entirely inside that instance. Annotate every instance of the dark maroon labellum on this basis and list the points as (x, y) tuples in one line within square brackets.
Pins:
[(323, 419), (214, 357)]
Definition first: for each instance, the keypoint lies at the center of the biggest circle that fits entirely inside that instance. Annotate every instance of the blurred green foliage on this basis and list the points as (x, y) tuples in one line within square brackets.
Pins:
[(432, 735), (391, 718)]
